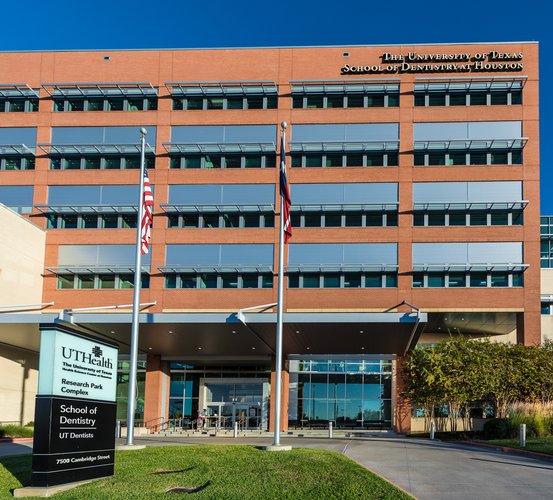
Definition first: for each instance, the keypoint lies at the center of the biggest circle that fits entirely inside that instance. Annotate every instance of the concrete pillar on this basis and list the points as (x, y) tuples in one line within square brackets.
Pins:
[(285, 396), (156, 390), (402, 409)]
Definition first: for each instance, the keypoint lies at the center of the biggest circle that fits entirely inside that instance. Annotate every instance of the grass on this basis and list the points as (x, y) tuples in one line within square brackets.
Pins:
[(541, 445), (230, 472), (16, 431)]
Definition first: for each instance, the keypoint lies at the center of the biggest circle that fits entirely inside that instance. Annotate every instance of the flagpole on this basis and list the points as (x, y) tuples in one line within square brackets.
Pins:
[(280, 300), (136, 299)]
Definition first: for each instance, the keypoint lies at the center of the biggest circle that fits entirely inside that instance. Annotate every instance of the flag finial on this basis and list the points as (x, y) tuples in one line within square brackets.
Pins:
[(284, 125)]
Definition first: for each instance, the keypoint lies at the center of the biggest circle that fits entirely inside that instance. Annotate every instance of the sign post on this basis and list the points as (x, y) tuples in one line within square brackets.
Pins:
[(75, 408)]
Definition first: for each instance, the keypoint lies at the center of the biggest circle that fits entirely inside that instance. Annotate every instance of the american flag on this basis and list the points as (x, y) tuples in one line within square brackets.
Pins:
[(147, 215), (285, 193)]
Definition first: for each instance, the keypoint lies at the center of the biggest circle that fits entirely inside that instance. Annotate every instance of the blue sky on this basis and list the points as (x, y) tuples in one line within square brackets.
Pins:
[(122, 24)]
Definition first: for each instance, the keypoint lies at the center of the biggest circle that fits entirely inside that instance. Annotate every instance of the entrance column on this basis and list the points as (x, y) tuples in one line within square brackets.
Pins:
[(156, 390), (402, 407), (284, 396)]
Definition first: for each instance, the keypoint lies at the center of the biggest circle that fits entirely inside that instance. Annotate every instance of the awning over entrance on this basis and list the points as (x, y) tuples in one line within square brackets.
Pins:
[(181, 335)]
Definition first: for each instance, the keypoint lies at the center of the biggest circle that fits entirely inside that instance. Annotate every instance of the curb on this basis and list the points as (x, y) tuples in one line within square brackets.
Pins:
[(15, 440), (508, 450)]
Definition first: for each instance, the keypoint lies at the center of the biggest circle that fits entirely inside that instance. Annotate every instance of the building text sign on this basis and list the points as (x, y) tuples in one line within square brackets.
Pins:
[(465, 62), (75, 408)]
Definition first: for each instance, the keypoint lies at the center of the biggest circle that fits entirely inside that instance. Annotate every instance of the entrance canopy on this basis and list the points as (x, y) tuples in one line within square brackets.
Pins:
[(185, 335)]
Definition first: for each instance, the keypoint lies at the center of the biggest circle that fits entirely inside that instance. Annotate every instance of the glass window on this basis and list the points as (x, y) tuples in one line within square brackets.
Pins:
[(436, 280), (418, 219), (478, 219), (208, 281), (376, 160), (192, 162), (457, 99), (126, 281), (377, 101), (457, 280), (418, 280), (194, 103), (352, 280), (436, 219), (66, 281), (478, 99), (457, 219), (499, 158), (436, 99), (215, 103), (95, 104), (106, 281), (333, 220), (311, 281), (334, 101), (457, 158), (478, 280), (230, 280), (233, 161), (436, 159), (314, 101), (254, 102), (112, 162), (420, 99), (336, 160), (500, 279), (516, 97), (499, 218), (518, 279), (331, 281), (478, 158), (499, 98), (393, 100), (358, 101), (373, 280), (354, 219), (293, 281)]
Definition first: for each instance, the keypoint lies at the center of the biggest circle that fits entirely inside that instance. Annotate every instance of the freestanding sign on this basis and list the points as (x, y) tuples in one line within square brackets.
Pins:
[(75, 407)]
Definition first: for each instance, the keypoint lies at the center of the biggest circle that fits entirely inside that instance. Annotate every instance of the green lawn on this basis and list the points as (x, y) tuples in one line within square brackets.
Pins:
[(541, 445), (223, 472)]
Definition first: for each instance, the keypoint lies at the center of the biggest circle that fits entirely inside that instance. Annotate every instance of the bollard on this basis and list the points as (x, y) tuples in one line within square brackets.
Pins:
[(522, 435), (235, 431), (118, 429), (329, 430), (432, 429)]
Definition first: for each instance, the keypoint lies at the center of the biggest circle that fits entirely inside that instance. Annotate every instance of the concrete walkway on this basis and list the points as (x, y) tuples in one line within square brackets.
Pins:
[(428, 470)]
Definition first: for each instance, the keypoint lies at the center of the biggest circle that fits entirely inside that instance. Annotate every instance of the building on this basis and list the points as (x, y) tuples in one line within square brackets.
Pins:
[(414, 173)]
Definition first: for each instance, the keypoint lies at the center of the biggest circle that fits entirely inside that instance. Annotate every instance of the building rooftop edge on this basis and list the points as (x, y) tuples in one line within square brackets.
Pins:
[(272, 47)]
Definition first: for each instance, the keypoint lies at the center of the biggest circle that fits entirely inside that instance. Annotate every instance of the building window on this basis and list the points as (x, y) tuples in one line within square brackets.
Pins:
[(468, 218), (17, 162), (315, 160), (91, 221), (459, 98), (18, 104), (372, 100), (111, 162), (128, 103), (224, 102), (223, 161), (219, 280), (99, 281), (453, 158), (342, 280), (467, 279), (344, 219), (222, 220)]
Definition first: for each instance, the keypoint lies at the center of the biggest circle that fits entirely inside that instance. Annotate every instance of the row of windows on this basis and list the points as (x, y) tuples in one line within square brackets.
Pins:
[(220, 102), (17, 163), (348, 219), (468, 158), (105, 104), (265, 161), (314, 160), (297, 280), (346, 101), (478, 279), (476, 218), (221, 220), (267, 220), (99, 281), (91, 221), (214, 280), (223, 161), (111, 162), (18, 105), (469, 99), (343, 280)]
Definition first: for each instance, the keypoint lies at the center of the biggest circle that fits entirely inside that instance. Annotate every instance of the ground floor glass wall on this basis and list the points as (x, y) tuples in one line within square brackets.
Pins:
[(122, 392), (348, 392), (226, 392)]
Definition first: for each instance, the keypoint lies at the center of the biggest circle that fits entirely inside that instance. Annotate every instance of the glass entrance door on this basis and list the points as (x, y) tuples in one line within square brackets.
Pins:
[(241, 401)]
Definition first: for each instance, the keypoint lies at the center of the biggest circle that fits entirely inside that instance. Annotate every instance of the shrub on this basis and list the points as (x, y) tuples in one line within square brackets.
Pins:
[(16, 431), (498, 428)]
